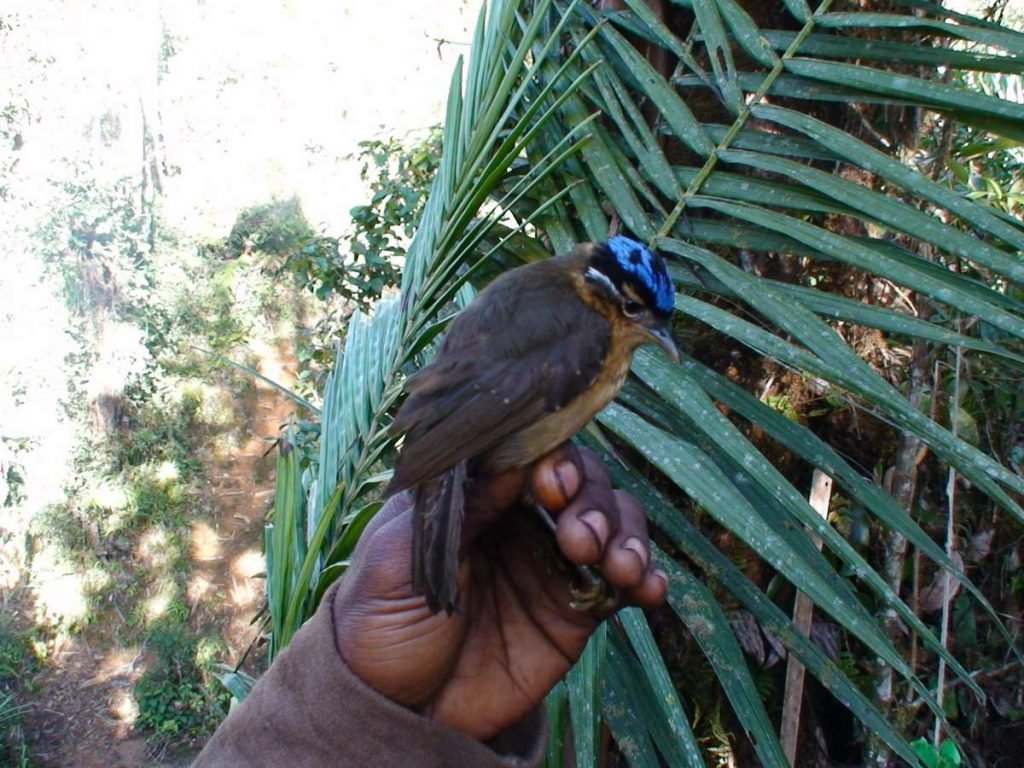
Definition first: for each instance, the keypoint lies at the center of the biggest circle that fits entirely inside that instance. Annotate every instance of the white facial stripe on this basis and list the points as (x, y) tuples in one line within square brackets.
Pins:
[(601, 277)]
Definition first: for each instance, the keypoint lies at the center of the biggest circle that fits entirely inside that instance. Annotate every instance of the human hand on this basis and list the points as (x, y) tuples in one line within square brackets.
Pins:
[(515, 635)]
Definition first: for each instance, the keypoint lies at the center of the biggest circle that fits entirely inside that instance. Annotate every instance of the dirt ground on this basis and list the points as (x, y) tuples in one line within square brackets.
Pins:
[(83, 711)]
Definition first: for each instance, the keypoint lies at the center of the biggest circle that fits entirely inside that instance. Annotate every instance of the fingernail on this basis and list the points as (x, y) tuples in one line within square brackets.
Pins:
[(566, 474), (633, 544), (597, 523), (663, 576)]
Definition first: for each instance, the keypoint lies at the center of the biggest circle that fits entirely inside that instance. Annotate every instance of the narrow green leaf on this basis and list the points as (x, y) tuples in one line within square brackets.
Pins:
[(633, 128), (718, 50), (799, 9), (849, 310), (836, 307), (584, 197), (737, 234), (668, 102), (629, 174), (734, 186), (816, 452), (721, 571), (352, 528), (556, 705), (757, 473), (630, 700), (604, 170), (894, 52), (698, 476), (860, 154), (903, 86), (697, 608), (678, 744), (890, 211), (775, 143), (626, 708), (747, 34), (646, 24), (954, 281), (795, 87), (1003, 37), (845, 249), (306, 569), (283, 543), (506, 93), (972, 463), (584, 682)]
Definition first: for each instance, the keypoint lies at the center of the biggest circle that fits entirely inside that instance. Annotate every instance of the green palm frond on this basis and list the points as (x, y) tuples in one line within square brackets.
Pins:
[(749, 146), (492, 115)]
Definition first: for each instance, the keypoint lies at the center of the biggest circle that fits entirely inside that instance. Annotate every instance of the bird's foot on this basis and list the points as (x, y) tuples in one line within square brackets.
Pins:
[(588, 591)]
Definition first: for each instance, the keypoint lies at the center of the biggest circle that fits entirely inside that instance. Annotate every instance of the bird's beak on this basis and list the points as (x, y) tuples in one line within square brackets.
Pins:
[(663, 339)]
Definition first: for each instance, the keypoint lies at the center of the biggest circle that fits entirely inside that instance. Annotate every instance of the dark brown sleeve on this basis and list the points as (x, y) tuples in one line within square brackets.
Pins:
[(310, 711)]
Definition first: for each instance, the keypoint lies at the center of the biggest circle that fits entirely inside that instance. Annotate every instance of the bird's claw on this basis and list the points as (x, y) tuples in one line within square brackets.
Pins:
[(590, 592)]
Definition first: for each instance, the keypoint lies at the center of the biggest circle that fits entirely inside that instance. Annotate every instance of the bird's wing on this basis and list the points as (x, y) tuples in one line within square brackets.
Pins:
[(506, 362)]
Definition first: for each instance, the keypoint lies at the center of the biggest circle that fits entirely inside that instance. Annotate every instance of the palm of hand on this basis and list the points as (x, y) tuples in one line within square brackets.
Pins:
[(488, 665)]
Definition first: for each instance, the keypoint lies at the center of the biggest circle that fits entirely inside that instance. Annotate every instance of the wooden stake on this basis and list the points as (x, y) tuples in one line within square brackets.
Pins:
[(803, 611)]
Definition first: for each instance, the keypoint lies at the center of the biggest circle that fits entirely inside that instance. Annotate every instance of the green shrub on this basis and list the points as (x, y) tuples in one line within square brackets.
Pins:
[(178, 695)]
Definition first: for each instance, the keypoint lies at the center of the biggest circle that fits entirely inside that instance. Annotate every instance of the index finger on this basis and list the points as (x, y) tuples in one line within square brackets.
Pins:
[(557, 477)]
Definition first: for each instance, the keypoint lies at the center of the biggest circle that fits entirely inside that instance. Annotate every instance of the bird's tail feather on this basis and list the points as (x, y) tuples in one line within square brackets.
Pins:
[(438, 508)]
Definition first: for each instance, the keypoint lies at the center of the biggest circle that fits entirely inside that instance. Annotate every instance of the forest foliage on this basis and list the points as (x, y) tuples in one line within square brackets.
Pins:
[(836, 190)]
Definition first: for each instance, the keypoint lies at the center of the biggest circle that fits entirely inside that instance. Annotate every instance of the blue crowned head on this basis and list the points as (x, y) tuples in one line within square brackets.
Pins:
[(636, 273)]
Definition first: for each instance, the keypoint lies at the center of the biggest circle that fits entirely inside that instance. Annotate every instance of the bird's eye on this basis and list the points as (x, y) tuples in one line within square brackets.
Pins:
[(631, 308)]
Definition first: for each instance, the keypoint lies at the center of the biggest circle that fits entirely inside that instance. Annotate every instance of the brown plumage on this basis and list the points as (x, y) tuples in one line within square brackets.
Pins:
[(525, 366)]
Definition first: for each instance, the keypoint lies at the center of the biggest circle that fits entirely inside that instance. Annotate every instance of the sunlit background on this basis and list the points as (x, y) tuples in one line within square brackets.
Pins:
[(249, 102), (254, 101), (242, 103)]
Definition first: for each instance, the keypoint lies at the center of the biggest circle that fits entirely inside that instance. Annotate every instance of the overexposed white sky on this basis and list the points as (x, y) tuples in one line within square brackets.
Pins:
[(258, 98)]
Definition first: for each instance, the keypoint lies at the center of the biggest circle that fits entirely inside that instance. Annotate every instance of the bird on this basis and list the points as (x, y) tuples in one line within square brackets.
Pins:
[(522, 368)]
